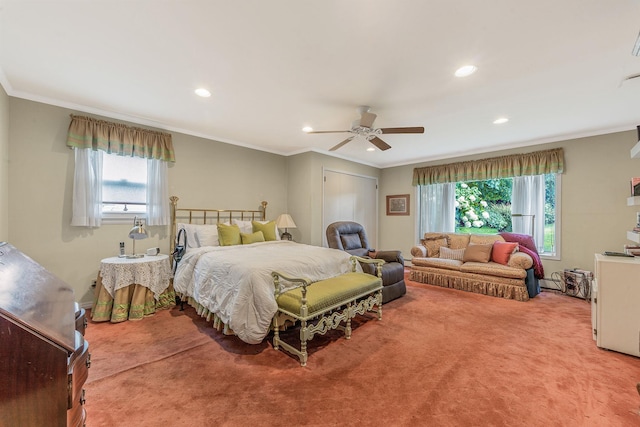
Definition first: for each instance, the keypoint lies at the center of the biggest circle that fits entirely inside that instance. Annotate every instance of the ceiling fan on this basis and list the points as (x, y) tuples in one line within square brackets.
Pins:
[(364, 127)]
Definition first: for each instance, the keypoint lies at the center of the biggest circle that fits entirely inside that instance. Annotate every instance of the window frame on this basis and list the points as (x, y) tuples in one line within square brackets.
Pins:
[(121, 217), (556, 255)]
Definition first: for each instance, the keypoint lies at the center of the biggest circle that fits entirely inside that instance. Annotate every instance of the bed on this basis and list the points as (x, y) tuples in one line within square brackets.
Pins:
[(231, 285)]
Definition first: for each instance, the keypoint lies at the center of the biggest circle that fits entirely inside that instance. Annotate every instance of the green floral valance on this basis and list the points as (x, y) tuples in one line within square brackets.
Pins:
[(536, 163), (115, 138)]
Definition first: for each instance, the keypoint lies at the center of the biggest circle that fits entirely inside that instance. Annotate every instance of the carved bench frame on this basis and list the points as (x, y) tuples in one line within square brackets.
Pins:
[(328, 318)]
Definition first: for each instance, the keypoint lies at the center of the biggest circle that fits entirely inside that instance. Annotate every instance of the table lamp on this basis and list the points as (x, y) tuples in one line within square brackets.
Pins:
[(138, 232), (285, 221)]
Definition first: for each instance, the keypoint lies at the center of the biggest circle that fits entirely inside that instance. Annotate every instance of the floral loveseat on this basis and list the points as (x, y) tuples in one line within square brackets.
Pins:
[(480, 263)]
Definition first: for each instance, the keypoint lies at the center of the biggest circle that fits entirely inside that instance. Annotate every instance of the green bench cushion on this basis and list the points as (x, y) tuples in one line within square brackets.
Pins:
[(329, 292)]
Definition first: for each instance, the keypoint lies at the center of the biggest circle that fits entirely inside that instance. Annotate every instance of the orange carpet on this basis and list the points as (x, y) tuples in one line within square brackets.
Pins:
[(439, 357)]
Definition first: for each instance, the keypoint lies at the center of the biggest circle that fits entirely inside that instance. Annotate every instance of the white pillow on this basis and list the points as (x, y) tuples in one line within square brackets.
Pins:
[(245, 226), (207, 235), (190, 230), (199, 234)]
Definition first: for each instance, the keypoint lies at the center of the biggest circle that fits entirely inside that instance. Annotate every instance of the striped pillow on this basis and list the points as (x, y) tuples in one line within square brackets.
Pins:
[(447, 253)]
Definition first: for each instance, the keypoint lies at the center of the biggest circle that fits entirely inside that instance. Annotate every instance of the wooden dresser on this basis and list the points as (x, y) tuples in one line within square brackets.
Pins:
[(44, 358)]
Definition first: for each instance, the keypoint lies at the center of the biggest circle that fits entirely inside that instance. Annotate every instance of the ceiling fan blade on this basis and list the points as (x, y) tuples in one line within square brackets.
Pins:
[(335, 147), (403, 130), (379, 143), (366, 121), (328, 131)]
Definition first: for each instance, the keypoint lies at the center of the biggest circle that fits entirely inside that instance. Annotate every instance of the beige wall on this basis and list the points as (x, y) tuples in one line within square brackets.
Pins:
[(206, 174), (595, 186), (306, 191), (4, 165), (212, 174)]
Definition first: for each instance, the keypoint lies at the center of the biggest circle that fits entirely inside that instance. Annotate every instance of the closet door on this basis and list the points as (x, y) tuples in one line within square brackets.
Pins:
[(349, 197)]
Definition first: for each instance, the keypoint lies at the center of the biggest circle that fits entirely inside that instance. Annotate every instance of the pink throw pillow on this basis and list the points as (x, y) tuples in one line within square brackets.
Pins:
[(502, 252)]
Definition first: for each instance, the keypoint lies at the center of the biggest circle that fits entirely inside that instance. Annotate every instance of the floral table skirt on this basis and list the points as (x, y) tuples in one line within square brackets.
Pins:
[(132, 302)]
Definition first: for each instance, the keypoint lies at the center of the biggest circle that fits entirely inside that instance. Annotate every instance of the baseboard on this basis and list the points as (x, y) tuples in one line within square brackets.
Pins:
[(86, 305), (547, 283)]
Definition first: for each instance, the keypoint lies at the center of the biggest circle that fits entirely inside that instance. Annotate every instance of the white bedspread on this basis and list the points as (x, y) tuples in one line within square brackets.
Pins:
[(235, 282)]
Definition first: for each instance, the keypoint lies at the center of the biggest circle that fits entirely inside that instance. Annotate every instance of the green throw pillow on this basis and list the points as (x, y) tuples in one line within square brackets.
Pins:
[(268, 229), (246, 238), (229, 235)]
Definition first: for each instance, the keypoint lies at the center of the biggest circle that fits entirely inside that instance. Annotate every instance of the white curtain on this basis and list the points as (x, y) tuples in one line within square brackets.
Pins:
[(157, 193), (527, 207), (87, 188), (437, 208)]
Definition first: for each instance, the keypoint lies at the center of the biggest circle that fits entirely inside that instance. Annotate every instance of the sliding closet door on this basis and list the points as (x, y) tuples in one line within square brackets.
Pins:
[(349, 197)]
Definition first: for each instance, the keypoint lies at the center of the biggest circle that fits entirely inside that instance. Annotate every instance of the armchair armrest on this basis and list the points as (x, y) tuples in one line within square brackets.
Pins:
[(390, 256)]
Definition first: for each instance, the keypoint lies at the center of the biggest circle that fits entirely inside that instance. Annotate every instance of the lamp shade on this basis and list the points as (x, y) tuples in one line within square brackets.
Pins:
[(285, 221), (138, 232)]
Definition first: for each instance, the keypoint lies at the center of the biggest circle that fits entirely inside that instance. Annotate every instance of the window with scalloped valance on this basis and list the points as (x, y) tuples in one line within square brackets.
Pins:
[(536, 163), (449, 197), (92, 140), (117, 138)]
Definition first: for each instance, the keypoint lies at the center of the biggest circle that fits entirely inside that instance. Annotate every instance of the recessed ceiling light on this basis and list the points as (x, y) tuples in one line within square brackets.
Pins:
[(500, 120), (203, 92), (371, 149), (307, 129), (465, 71)]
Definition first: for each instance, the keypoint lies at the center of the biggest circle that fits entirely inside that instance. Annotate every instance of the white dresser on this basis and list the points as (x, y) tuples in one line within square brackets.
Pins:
[(615, 304)]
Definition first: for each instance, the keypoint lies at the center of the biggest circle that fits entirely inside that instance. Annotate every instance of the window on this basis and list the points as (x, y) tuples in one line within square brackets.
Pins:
[(528, 204), (124, 185), (129, 185)]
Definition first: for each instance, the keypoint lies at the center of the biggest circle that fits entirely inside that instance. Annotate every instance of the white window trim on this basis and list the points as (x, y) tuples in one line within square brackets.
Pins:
[(557, 256), (157, 199), (120, 217)]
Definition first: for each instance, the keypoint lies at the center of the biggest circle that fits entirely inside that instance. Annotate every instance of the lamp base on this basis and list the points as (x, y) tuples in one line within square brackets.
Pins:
[(286, 236), (134, 256)]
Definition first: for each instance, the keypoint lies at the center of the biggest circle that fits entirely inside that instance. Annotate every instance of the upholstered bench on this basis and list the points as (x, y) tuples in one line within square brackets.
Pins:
[(323, 305)]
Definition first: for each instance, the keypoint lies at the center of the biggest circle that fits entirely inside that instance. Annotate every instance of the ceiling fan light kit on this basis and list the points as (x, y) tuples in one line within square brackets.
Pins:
[(363, 128)]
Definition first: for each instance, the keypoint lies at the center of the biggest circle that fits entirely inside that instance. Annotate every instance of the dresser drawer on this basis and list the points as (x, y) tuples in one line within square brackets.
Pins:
[(79, 363)]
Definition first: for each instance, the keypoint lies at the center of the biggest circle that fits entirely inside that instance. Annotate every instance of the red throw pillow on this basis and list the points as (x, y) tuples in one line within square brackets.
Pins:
[(502, 251)]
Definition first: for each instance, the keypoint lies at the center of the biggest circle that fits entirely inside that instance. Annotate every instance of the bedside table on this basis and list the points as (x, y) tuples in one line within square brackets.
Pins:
[(131, 288)]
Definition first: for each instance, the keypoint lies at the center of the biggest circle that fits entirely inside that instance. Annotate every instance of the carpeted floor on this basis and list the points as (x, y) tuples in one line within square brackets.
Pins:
[(439, 357)]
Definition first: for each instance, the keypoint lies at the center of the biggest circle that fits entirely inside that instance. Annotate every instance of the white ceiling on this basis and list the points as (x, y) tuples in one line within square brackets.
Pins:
[(554, 68)]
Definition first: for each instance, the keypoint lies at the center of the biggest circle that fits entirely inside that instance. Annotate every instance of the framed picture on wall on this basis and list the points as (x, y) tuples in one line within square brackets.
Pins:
[(398, 204)]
